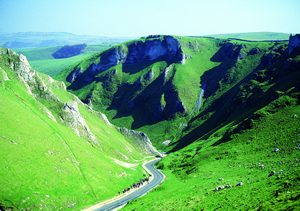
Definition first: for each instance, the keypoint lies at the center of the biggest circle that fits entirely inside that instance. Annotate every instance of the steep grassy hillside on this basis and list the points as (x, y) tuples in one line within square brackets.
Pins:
[(255, 165), (153, 84), (42, 60), (56, 152)]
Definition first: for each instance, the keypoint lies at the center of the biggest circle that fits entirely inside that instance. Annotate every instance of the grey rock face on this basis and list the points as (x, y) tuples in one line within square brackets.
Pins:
[(141, 139), (149, 76), (73, 119), (294, 42), (25, 71), (73, 75), (35, 85), (166, 143), (3, 75), (151, 49)]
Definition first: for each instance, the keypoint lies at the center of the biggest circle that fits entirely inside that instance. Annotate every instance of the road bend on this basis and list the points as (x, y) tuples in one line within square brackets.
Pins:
[(157, 178)]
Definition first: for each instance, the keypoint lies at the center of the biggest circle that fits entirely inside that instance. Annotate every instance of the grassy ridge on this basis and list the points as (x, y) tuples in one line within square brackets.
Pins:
[(45, 165)]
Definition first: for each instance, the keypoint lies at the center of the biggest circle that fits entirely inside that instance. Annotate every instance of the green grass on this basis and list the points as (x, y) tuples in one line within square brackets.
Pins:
[(193, 173)]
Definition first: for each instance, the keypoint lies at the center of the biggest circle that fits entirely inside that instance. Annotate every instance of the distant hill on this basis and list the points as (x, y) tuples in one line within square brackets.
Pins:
[(254, 36), (46, 39), (69, 51)]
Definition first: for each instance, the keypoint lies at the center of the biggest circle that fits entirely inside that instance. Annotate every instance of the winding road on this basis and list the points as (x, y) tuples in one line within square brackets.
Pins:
[(157, 178)]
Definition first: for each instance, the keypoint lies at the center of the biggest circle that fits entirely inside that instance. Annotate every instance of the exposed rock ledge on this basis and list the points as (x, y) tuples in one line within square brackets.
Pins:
[(73, 119), (142, 140)]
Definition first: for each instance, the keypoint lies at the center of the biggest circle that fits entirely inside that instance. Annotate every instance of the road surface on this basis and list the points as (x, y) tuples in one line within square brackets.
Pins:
[(157, 178)]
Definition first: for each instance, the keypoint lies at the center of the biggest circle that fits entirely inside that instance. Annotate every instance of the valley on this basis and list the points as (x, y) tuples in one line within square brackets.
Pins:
[(226, 111)]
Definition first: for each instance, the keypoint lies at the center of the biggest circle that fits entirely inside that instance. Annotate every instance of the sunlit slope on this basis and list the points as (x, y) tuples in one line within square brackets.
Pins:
[(45, 164)]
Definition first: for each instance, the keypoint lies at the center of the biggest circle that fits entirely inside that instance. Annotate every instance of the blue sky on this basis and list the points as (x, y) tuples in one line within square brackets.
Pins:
[(135, 18)]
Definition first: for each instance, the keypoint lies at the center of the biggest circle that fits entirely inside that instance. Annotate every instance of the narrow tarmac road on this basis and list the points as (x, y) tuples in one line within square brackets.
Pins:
[(157, 178)]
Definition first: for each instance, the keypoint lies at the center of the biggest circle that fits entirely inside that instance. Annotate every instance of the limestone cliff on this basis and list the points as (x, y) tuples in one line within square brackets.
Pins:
[(136, 52)]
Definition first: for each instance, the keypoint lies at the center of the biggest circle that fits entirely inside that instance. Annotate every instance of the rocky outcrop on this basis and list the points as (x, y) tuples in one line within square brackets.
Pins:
[(166, 143), (72, 118), (73, 75), (35, 85), (149, 76), (294, 42), (153, 48), (3, 75), (141, 139)]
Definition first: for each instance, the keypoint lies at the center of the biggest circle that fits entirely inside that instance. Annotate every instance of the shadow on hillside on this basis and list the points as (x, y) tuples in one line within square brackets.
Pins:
[(213, 76), (225, 111), (142, 100), (89, 76)]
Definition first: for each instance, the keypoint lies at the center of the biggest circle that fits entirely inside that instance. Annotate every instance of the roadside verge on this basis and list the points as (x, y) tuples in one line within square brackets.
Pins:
[(129, 192)]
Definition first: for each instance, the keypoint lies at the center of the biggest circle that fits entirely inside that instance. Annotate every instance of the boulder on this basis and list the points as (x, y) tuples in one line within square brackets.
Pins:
[(220, 187), (239, 184), (271, 173)]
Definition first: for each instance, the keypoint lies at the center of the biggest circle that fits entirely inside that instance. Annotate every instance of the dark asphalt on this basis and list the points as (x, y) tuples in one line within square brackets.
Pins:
[(158, 178)]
